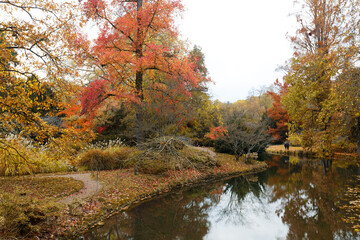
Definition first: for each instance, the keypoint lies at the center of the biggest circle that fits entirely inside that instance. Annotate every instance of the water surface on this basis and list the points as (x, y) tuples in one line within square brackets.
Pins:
[(294, 199)]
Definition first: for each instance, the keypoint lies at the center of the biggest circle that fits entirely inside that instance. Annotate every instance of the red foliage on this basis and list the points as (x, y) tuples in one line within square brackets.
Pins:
[(141, 42), (278, 113), (100, 129), (216, 132), (92, 96)]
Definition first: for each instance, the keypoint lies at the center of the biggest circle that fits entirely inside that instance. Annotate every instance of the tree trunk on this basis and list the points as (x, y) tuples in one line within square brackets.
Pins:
[(357, 134), (139, 82), (139, 113)]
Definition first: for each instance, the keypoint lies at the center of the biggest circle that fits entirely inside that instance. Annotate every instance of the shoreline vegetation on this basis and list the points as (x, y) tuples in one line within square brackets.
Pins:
[(121, 190), (301, 152)]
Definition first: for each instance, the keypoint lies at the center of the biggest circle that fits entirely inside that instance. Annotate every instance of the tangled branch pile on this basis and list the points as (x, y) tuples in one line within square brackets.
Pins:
[(166, 153)]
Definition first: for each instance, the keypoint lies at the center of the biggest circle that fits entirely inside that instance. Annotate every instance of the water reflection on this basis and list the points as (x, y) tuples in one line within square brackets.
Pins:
[(311, 198), (293, 199)]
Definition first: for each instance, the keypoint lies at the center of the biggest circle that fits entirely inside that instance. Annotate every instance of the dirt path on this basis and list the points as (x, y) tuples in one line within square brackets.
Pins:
[(91, 186)]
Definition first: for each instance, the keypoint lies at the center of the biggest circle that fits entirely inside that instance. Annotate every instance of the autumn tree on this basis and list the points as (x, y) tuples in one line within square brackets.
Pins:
[(139, 52), (323, 46), (205, 113), (243, 135), (166, 110), (348, 102), (36, 66), (244, 127), (34, 62), (277, 113)]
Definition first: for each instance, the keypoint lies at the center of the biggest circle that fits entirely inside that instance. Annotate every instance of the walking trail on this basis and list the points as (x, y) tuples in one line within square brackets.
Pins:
[(91, 186)]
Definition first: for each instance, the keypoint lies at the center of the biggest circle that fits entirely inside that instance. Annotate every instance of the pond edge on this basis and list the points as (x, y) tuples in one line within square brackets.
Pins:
[(77, 232)]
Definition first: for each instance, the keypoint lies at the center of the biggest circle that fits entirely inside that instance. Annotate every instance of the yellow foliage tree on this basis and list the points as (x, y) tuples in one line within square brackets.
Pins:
[(36, 42)]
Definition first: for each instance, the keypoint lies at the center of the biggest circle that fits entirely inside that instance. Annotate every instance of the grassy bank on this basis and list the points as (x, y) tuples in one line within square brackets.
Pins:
[(301, 152), (121, 189), (295, 151)]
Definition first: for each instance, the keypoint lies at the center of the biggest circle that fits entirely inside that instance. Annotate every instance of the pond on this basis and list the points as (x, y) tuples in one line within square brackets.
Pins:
[(294, 199)]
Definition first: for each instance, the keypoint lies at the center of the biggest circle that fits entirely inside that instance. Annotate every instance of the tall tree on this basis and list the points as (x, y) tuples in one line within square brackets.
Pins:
[(323, 46), (348, 102), (278, 128), (139, 52)]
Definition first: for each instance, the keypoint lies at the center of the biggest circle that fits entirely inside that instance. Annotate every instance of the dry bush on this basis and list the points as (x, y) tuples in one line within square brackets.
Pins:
[(151, 162), (170, 153), (112, 158), (97, 159)]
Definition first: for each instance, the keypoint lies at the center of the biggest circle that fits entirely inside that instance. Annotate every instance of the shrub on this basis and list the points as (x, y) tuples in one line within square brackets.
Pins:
[(20, 156), (199, 159), (111, 158), (343, 145), (222, 146), (165, 144), (152, 163), (96, 159)]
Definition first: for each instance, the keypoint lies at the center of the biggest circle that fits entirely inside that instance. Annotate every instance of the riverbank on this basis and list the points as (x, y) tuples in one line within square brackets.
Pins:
[(301, 152), (295, 151), (121, 189)]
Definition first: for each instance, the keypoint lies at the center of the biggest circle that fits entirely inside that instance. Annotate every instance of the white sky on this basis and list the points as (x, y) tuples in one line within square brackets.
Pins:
[(243, 42)]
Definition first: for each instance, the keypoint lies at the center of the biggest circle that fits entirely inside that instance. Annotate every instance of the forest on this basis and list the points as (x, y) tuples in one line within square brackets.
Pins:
[(136, 97)]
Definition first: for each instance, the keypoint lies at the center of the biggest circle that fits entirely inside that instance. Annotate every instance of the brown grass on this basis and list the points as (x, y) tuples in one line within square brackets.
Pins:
[(28, 204), (277, 148)]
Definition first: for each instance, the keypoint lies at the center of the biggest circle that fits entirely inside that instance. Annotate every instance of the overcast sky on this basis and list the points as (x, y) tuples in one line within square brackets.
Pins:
[(244, 42)]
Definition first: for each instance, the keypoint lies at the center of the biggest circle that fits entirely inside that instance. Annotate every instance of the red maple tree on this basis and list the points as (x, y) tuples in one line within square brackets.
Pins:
[(278, 114), (139, 52)]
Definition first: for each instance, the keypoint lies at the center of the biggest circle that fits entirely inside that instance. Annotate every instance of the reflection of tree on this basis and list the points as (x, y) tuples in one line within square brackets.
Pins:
[(310, 194), (112, 230), (240, 191), (311, 200), (178, 216)]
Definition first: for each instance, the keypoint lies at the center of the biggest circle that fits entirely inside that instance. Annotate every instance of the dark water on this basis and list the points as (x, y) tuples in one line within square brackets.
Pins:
[(293, 199)]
